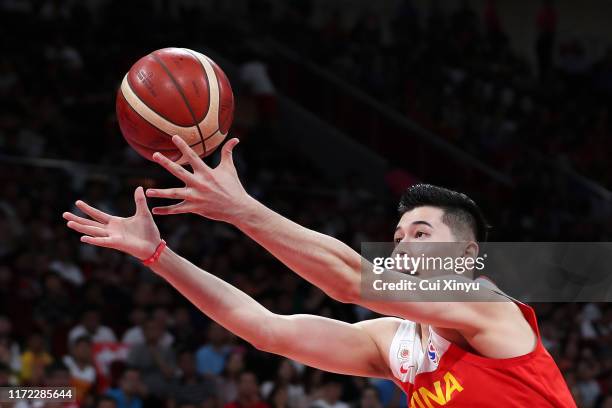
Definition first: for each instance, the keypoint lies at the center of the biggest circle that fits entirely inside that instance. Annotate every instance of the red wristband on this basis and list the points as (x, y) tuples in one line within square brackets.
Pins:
[(160, 248)]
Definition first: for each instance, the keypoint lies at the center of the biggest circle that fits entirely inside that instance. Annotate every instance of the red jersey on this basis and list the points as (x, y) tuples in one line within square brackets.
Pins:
[(446, 375)]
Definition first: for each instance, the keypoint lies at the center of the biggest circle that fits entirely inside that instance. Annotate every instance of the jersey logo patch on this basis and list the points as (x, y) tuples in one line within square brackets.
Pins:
[(432, 353), (404, 353), (405, 368)]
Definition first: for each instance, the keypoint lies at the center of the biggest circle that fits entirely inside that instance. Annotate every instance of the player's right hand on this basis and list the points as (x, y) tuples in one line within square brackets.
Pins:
[(215, 193), (136, 235)]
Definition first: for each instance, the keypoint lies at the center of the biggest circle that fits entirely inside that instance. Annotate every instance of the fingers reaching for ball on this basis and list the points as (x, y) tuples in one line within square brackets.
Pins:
[(175, 169), (192, 157), (213, 193)]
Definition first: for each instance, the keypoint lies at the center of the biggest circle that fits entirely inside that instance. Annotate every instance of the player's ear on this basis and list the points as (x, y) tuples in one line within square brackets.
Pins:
[(141, 201), (471, 250)]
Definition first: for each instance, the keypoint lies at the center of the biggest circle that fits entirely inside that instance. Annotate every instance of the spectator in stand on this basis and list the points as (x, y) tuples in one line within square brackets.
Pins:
[(135, 335), (54, 310), (57, 375), (287, 379), (34, 359), (248, 393), (82, 371), (370, 398), (329, 393), (279, 397), (189, 387), (65, 266), (211, 356), (183, 329), (227, 383), (162, 316), (587, 386), (155, 361), (90, 326), (131, 390)]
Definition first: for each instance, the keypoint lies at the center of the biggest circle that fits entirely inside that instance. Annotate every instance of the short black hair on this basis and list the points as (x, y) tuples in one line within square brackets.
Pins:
[(459, 209)]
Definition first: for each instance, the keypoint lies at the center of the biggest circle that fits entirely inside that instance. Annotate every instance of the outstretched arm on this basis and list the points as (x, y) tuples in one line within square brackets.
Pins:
[(218, 194), (313, 340)]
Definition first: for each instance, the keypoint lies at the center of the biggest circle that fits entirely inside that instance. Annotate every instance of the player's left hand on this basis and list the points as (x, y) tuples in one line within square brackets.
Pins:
[(136, 235), (215, 193)]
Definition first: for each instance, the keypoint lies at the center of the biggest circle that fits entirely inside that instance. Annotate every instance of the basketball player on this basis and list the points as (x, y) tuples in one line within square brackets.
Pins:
[(464, 354)]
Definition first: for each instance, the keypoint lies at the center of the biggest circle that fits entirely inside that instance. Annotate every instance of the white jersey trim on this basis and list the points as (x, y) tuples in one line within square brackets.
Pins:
[(407, 358)]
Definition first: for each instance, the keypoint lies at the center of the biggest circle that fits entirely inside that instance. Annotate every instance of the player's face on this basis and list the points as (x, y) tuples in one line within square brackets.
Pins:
[(421, 232)]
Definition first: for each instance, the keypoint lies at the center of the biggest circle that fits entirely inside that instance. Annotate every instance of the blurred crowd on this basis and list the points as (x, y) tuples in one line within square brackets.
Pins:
[(456, 72), (99, 321)]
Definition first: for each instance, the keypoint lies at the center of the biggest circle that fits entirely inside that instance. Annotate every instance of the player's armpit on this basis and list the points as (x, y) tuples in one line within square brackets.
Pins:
[(332, 345)]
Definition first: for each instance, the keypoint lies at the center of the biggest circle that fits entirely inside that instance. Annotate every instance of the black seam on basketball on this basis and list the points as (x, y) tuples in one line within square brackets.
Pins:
[(144, 103), (205, 78), (209, 95), (180, 91), (145, 119)]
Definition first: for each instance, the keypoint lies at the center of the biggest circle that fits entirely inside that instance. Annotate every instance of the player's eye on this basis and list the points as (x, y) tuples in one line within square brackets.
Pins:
[(398, 240), (420, 234)]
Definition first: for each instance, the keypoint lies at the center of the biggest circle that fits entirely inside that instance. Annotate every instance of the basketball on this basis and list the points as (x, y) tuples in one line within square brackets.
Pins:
[(174, 91)]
